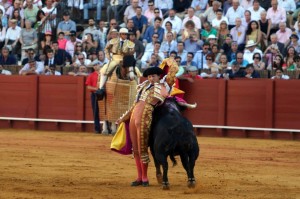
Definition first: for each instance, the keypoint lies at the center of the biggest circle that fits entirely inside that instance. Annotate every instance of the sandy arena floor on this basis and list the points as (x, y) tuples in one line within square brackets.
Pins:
[(37, 164)]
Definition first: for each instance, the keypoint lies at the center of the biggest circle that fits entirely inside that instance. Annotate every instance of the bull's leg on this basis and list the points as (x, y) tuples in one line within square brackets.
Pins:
[(157, 167), (187, 165), (185, 162), (191, 177), (113, 128), (105, 128), (165, 167)]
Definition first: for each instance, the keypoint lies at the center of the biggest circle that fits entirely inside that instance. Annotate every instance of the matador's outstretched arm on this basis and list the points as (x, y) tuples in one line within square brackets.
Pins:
[(169, 66)]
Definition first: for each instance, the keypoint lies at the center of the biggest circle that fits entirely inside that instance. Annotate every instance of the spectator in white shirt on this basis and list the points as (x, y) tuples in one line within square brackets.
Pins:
[(246, 4), (238, 33), (51, 10), (169, 45), (217, 21), (156, 50), (50, 70), (255, 10), (181, 52), (250, 51), (12, 36), (191, 16), (176, 21), (210, 13), (279, 74), (236, 11), (32, 68), (81, 60)]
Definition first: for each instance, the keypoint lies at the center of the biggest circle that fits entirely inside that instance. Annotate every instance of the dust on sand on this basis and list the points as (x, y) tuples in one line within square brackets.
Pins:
[(39, 164)]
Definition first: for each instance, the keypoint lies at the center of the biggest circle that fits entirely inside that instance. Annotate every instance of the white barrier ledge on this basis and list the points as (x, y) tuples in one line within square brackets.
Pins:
[(195, 126)]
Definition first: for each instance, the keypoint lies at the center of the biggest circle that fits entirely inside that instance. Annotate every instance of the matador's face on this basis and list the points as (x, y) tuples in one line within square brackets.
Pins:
[(154, 78)]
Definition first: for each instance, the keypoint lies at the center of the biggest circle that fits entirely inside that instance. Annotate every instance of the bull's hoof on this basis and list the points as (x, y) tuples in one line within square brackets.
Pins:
[(113, 133), (191, 183), (105, 132), (166, 186), (159, 178)]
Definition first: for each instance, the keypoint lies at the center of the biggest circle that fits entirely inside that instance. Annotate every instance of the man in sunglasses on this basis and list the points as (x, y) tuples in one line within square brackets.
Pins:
[(250, 51), (114, 51), (30, 55)]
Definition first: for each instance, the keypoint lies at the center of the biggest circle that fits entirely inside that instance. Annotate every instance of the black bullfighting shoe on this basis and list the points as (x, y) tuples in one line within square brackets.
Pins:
[(136, 183), (146, 184)]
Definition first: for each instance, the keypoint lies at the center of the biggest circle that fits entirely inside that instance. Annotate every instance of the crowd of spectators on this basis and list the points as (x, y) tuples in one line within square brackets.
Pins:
[(208, 38)]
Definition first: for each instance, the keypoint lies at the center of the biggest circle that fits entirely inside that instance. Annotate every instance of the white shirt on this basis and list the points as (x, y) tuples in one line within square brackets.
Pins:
[(86, 62), (246, 4), (200, 59), (164, 4), (144, 5), (183, 55), (13, 34), (39, 68), (147, 56), (248, 56), (216, 22), (46, 10), (5, 72), (149, 47), (168, 47), (288, 5), (195, 19), (255, 14), (282, 77), (176, 23), (238, 34), (56, 73), (233, 14), (129, 12)]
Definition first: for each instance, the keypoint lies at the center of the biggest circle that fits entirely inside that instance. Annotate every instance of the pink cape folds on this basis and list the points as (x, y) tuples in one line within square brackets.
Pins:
[(121, 142)]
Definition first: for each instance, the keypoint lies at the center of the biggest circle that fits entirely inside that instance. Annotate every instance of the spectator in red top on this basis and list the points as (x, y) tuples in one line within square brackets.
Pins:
[(191, 75), (62, 41), (91, 83)]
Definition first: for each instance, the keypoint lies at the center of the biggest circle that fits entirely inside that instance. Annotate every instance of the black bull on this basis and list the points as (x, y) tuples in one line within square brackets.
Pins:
[(172, 134)]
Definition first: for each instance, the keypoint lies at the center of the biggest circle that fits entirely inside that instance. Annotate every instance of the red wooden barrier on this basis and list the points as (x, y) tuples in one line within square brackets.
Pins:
[(260, 103)]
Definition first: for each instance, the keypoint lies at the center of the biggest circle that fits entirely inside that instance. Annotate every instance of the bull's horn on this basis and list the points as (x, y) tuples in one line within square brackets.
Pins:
[(191, 105)]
